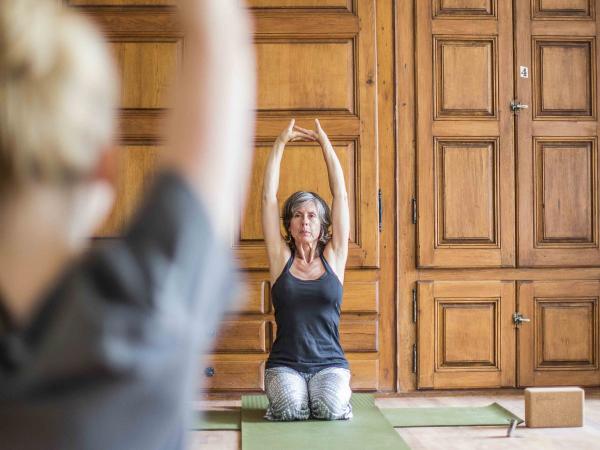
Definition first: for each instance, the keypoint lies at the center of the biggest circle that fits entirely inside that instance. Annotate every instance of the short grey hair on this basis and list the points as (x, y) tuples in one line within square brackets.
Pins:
[(294, 202)]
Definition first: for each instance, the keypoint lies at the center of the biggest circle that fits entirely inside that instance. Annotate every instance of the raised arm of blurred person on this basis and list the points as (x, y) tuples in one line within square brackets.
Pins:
[(211, 130)]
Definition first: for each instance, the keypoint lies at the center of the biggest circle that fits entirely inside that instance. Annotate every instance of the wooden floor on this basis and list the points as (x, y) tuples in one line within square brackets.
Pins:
[(585, 438)]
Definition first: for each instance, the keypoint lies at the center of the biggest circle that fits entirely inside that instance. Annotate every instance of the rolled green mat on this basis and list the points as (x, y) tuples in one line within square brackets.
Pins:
[(493, 414)]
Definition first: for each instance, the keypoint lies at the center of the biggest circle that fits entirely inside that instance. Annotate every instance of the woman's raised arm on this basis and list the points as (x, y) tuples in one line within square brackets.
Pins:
[(277, 249), (340, 214)]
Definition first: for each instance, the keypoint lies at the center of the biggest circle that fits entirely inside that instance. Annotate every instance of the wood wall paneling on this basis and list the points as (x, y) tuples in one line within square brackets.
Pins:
[(315, 59)]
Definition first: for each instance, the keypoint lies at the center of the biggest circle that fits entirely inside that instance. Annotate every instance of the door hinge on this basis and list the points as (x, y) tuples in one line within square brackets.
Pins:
[(414, 294), (380, 203), (414, 365), (414, 210)]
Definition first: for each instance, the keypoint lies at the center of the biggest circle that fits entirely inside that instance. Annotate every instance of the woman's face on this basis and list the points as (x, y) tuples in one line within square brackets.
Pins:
[(305, 226)]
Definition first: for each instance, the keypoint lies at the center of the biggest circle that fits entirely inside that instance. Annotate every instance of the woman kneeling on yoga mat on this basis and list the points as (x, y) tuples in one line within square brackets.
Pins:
[(307, 373)]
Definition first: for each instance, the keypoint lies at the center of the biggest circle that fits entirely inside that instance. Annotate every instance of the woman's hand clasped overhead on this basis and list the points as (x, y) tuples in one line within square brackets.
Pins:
[(293, 133)]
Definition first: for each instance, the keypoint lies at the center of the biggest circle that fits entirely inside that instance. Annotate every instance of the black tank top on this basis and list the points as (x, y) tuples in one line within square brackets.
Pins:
[(307, 313)]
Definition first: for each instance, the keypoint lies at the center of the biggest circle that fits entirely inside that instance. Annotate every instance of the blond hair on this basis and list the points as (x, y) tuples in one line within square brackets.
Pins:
[(58, 94)]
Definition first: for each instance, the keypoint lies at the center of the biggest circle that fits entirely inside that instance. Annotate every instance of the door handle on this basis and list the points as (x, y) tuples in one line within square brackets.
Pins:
[(519, 318), (516, 106)]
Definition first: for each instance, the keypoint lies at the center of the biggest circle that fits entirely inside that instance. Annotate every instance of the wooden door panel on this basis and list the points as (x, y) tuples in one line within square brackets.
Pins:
[(566, 193), (465, 145), (305, 75), (465, 83), (292, 179), (465, 334), (135, 169), (313, 4), (231, 373), (146, 70), (557, 182), (551, 99), (561, 344), (467, 186), (556, 9), (235, 336), (463, 8), (123, 2), (147, 42), (327, 72), (361, 293), (364, 374), (254, 295)]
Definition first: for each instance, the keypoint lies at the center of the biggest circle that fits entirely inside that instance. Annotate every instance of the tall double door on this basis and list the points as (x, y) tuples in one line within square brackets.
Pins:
[(508, 251)]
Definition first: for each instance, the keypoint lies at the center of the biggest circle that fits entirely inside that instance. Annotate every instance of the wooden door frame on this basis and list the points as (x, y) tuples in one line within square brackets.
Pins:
[(405, 106), (387, 147)]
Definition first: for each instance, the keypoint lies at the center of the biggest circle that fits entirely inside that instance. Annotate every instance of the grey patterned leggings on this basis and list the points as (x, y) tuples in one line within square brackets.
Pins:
[(296, 395)]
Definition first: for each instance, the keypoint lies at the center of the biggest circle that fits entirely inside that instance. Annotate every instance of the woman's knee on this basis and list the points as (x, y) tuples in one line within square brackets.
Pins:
[(330, 395), (288, 397), (330, 407), (290, 407)]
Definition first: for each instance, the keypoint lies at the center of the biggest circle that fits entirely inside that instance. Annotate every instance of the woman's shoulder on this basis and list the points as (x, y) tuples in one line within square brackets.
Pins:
[(334, 262)]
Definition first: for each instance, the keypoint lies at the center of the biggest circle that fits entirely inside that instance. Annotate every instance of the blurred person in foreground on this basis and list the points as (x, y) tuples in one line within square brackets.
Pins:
[(99, 346)]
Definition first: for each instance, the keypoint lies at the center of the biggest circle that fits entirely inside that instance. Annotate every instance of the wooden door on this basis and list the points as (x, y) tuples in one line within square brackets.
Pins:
[(561, 343), (465, 334), (465, 136), (557, 134), (314, 59), (318, 59)]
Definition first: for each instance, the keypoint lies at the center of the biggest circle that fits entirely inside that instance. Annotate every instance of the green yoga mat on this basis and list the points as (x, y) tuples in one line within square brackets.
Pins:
[(217, 420), (493, 414), (368, 429)]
